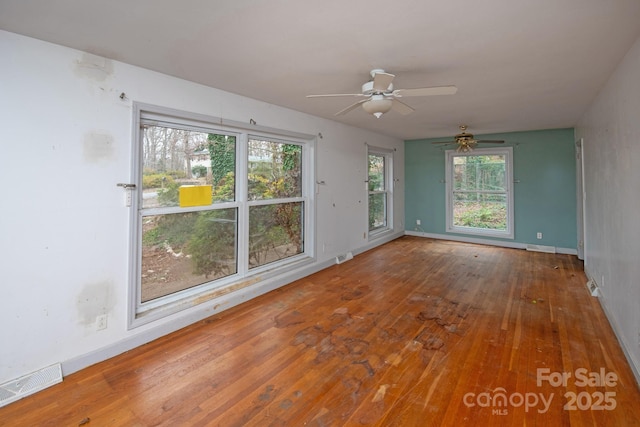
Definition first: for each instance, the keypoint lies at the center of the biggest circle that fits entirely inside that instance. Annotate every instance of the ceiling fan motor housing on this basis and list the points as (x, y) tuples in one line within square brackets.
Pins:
[(368, 90), (464, 136)]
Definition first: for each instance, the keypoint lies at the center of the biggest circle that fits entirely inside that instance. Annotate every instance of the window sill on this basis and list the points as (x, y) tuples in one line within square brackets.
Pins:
[(174, 303), (379, 233)]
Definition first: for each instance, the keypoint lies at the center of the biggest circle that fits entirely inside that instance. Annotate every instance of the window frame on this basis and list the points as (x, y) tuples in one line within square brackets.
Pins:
[(388, 190), (141, 313), (274, 201), (507, 152)]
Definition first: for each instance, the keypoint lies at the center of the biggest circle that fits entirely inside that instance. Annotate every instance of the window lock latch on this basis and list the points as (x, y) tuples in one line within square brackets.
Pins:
[(126, 186)]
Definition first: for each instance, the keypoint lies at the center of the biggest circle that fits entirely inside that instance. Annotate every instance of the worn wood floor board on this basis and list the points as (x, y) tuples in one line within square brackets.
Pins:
[(416, 332)]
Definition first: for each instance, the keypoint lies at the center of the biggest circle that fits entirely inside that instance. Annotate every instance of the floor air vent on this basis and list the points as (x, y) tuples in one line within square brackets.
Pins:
[(29, 384), (542, 248), (343, 258), (593, 288)]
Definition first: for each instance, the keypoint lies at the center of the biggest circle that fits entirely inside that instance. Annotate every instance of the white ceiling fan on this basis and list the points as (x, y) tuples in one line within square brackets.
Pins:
[(466, 142), (380, 96)]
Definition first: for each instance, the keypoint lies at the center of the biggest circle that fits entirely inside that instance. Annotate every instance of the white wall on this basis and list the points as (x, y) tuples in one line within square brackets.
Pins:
[(64, 229), (611, 132)]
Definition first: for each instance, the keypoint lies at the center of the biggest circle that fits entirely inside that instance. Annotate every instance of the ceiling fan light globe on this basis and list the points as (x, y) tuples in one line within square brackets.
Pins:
[(377, 106)]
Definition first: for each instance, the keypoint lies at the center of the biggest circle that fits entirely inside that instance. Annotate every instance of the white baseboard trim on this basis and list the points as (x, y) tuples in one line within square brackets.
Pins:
[(567, 251), (541, 248), (379, 240), (480, 241)]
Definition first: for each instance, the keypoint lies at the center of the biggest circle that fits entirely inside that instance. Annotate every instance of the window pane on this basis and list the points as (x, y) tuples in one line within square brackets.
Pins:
[(377, 210), (376, 173), (183, 250), (480, 210), (275, 232), (173, 158), (222, 149), (275, 170), (481, 173)]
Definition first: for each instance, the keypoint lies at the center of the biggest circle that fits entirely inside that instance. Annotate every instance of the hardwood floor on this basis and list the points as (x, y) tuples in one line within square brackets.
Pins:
[(417, 332)]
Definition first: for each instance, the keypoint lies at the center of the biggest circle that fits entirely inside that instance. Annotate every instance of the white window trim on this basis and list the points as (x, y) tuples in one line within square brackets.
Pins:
[(389, 190), (450, 227), (142, 313)]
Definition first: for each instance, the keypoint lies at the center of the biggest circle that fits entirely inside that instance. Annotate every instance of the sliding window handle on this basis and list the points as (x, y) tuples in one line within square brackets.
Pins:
[(126, 186)]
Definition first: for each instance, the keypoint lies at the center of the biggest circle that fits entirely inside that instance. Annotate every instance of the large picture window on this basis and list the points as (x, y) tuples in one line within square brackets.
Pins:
[(215, 206), (479, 192)]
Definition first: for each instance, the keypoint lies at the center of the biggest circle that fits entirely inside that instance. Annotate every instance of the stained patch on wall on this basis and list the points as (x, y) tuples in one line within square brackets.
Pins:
[(95, 299), (98, 147), (93, 67)]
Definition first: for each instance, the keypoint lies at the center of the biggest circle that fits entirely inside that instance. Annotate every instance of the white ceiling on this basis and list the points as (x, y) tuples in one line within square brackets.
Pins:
[(518, 64)]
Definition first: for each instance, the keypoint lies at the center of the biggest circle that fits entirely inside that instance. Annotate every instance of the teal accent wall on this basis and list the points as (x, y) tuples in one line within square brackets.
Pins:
[(544, 171)]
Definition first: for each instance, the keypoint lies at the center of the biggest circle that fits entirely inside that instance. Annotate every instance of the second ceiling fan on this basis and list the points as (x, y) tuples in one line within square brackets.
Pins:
[(380, 96), (466, 141)]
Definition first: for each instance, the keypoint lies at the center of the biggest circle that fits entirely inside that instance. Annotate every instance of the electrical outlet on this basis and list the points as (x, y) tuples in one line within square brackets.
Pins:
[(101, 322), (539, 235), (418, 222)]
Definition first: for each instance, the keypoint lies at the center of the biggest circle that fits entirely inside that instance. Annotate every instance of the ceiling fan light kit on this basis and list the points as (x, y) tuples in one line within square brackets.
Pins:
[(377, 105), (465, 146), (382, 97)]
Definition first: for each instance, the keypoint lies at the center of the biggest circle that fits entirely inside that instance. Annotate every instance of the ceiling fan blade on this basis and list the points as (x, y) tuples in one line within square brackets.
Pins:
[(335, 94), (381, 81), (350, 107), (489, 141), (444, 142), (401, 107), (426, 91)]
